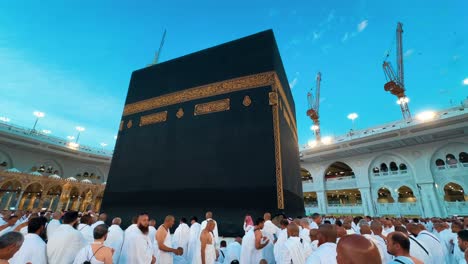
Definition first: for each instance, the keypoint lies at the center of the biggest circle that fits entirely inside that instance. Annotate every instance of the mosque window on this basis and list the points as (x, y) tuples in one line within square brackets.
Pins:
[(450, 159), (85, 174), (393, 166), (403, 167), (383, 167), (56, 172), (4, 164), (41, 168), (92, 175), (50, 169), (78, 175), (439, 162), (463, 157)]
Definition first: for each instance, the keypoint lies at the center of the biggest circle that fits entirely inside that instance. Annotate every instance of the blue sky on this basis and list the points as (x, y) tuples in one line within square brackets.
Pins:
[(73, 59)]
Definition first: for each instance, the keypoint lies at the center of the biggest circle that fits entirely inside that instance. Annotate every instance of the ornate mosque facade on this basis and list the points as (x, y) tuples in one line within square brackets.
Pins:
[(41, 171), (405, 168)]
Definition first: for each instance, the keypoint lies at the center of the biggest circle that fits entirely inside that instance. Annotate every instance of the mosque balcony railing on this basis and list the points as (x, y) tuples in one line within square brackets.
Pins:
[(393, 126), (355, 208), (398, 208), (310, 209), (345, 183), (57, 141), (456, 208), (388, 173)]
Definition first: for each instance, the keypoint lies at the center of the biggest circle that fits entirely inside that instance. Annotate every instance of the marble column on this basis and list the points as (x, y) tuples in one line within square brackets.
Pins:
[(23, 200), (20, 196), (367, 204), (10, 197), (322, 202), (31, 202), (51, 202), (430, 201)]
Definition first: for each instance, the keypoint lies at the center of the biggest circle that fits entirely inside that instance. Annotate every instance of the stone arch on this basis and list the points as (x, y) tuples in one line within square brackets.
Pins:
[(6, 161), (454, 192), (32, 194), (338, 170), (406, 194), (306, 175), (384, 195), (441, 153)]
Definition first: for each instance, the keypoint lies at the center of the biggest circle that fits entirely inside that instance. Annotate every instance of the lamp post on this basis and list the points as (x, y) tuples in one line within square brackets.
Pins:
[(38, 115), (79, 129), (353, 116)]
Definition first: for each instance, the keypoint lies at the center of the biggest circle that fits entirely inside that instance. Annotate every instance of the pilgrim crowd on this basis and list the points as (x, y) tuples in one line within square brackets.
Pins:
[(75, 238)]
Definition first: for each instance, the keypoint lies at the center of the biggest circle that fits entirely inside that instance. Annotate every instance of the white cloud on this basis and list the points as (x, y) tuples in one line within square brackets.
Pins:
[(345, 37), (362, 25), (293, 83), (408, 53)]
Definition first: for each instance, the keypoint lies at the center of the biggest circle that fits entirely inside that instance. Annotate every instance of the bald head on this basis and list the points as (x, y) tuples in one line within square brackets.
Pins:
[(327, 233), (267, 216), (117, 221), (356, 249), (365, 230), (341, 231), (169, 221), (305, 223), (103, 217), (293, 230), (313, 233), (413, 228), (208, 215)]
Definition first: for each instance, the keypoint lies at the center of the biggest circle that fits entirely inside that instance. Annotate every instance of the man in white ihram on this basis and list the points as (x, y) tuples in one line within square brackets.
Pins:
[(182, 236), (293, 249), (115, 238), (53, 224), (195, 229), (269, 230), (164, 242), (33, 249), (137, 247), (66, 241), (326, 252), (209, 216)]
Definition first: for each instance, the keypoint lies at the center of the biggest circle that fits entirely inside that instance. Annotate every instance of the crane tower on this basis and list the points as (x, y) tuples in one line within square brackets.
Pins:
[(314, 105), (396, 81)]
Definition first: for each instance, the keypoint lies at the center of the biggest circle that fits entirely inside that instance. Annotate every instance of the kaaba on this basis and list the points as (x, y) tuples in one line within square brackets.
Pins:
[(214, 130)]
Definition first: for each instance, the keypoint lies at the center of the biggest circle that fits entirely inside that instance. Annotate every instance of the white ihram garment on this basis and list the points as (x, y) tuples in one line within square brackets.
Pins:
[(64, 244), (33, 250), (114, 240), (210, 253), (163, 257), (136, 249)]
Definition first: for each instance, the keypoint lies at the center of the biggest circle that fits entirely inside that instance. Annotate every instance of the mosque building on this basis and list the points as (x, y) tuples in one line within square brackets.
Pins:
[(406, 168), (41, 171)]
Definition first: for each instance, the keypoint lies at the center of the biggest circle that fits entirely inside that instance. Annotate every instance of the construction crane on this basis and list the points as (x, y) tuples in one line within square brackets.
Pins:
[(158, 53), (314, 105), (396, 82)]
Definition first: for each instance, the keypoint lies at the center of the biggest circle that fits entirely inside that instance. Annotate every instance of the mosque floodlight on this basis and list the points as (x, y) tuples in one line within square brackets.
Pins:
[(312, 143), (327, 140), (402, 100), (46, 131), (314, 127), (426, 116), (103, 144), (4, 119), (465, 81), (70, 137)]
